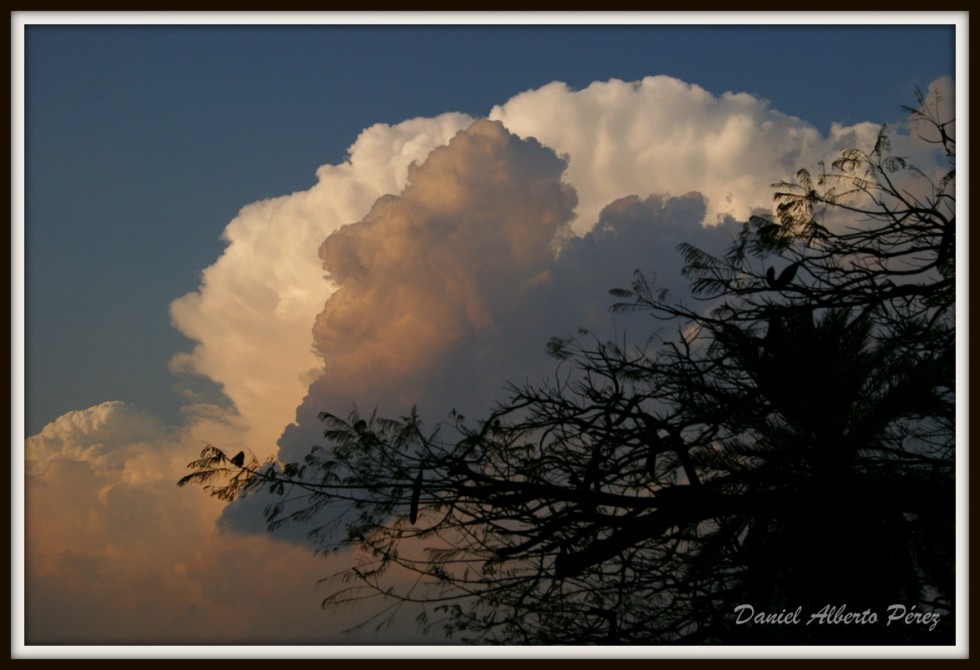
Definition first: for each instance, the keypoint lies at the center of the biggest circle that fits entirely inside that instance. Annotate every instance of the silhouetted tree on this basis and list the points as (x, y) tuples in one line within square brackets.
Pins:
[(791, 446)]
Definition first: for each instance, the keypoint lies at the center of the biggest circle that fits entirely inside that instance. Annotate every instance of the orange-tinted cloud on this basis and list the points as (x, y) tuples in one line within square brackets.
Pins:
[(252, 314), (469, 241), (115, 553)]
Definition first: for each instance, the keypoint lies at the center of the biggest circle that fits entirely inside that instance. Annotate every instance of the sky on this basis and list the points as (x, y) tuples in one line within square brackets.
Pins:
[(227, 229)]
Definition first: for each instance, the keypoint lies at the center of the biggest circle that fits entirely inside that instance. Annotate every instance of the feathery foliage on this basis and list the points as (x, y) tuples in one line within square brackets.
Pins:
[(792, 446)]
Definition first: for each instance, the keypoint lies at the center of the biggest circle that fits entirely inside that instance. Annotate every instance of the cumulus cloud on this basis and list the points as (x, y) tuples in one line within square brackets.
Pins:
[(430, 281), (918, 142), (634, 233), (116, 553), (516, 230), (469, 240), (105, 437), (252, 315), (451, 289), (663, 135)]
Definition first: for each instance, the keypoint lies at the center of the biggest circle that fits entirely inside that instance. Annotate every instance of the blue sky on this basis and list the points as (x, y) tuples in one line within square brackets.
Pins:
[(180, 183), (144, 141)]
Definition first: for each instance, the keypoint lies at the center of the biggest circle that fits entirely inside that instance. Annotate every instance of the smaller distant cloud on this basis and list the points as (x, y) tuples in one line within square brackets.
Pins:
[(104, 437), (116, 553)]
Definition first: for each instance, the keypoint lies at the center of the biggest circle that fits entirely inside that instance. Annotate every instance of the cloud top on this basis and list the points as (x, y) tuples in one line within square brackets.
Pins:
[(663, 135)]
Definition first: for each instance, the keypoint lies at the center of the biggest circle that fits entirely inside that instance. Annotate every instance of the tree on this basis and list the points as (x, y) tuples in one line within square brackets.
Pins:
[(792, 446)]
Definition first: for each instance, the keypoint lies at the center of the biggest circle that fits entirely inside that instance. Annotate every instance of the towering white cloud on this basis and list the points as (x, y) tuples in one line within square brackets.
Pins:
[(252, 316), (253, 313)]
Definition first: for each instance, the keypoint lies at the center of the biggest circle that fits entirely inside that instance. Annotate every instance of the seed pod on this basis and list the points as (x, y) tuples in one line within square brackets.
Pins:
[(413, 510), (653, 448)]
